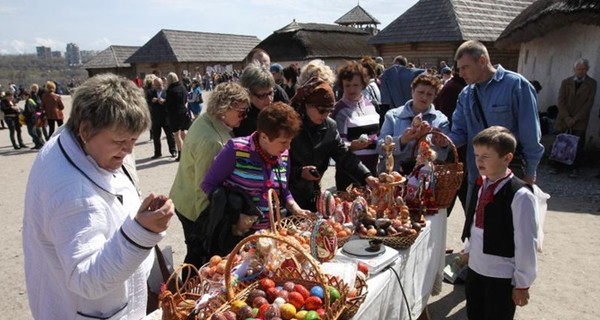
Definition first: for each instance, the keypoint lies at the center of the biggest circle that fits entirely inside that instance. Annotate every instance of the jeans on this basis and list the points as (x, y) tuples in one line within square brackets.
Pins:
[(35, 133), (14, 127)]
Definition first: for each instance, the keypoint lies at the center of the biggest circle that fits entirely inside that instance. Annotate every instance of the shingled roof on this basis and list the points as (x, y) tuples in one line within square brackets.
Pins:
[(111, 57), (192, 46), (357, 15), (305, 41), (543, 16), (451, 20)]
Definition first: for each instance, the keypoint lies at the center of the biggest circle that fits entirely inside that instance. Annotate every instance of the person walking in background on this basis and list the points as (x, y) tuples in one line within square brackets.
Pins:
[(195, 103), (29, 112), (11, 116), (175, 101), (227, 105), (495, 96), (260, 56), (396, 81), (42, 124), (290, 80), (53, 107), (87, 234), (159, 114), (356, 117), (575, 100), (502, 232)]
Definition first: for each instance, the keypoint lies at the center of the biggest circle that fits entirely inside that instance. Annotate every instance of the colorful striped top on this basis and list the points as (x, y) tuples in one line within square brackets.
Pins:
[(239, 166)]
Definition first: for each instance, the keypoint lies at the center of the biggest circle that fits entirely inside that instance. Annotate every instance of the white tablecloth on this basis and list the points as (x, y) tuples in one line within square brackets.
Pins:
[(421, 271)]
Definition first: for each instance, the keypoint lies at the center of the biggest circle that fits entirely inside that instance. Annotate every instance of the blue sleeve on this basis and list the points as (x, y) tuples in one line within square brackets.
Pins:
[(221, 168), (524, 99), (458, 133)]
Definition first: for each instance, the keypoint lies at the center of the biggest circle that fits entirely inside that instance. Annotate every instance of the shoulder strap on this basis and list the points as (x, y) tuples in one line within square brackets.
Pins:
[(479, 107), (162, 264)]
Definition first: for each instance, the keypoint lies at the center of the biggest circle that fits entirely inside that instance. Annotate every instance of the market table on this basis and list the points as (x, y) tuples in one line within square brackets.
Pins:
[(421, 272)]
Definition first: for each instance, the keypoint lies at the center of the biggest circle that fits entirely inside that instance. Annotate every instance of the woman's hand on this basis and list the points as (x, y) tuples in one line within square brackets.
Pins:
[(359, 145), (306, 175), (295, 209), (520, 296), (409, 135), (155, 216), (372, 182)]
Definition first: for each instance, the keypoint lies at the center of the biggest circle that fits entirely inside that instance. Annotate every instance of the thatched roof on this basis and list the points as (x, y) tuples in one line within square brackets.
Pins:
[(192, 46), (111, 57), (305, 41), (357, 15), (543, 16), (451, 20)]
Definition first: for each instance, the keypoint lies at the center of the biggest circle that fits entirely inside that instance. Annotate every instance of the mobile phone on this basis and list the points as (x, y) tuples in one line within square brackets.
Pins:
[(313, 172)]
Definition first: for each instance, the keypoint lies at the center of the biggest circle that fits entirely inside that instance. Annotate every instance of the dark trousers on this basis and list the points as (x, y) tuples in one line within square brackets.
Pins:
[(488, 298), (14, 127), (194, 255), (157, 127), (35, 133), (51, 126)]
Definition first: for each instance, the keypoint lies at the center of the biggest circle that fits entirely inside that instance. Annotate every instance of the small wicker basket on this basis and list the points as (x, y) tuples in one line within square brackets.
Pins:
[(395, 242)]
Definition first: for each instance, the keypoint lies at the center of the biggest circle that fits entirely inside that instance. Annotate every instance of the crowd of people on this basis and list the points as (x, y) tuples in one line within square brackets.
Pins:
[(276, 128)]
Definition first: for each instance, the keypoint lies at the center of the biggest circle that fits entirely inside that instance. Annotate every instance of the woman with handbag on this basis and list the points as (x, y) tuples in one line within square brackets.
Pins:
[(226, 107), (259, 162), (53, 107)]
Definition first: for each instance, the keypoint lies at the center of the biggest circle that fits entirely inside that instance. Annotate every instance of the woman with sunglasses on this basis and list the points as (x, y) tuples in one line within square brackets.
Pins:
[(225, 109), (318, 141), (259, 162)]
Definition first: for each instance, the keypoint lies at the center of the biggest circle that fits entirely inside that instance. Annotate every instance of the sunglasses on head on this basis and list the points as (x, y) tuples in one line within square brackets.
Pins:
[(264, 95)]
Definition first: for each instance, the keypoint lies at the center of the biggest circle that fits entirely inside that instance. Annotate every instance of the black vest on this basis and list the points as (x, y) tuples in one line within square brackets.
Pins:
[(498, 235)]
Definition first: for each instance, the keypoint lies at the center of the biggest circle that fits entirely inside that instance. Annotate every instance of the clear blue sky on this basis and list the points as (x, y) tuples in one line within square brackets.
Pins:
[(96, 24)]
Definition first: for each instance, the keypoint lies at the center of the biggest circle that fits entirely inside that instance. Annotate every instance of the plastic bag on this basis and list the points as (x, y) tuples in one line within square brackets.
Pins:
[(564, 148)]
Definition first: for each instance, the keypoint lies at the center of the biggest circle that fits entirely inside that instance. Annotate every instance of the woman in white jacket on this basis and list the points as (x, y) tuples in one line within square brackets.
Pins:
[(87, 237)]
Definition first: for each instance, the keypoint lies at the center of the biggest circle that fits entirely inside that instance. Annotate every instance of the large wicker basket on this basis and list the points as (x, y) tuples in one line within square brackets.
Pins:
[(448, 176), (308, 276), (354, 303)]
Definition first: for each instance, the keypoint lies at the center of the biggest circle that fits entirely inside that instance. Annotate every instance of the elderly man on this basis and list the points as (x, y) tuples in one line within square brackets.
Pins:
[(575, 101), (495, 96)]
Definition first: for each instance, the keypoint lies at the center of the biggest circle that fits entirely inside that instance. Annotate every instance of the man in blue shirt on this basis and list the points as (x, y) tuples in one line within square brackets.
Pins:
[(495, 97)]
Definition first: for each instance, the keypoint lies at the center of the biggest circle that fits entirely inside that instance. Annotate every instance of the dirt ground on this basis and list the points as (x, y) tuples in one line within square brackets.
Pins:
[(566, 287)]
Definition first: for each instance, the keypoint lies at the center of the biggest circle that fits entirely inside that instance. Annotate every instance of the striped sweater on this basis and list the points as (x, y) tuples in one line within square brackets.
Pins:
[(239, 166)]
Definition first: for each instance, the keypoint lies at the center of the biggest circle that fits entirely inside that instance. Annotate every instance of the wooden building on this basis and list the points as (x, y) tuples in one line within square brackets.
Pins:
[(431, 30), (302, 42), (191, 52), (359, 18), (550, 36), (112, 60)]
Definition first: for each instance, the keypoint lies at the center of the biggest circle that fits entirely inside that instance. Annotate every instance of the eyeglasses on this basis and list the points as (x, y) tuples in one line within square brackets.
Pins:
[(325, 110), (264, 95), (242, 112)]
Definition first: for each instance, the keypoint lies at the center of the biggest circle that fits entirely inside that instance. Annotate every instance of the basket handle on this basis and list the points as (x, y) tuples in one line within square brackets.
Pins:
[(185, 266), (229, 265), (422, 137), (274, 214)]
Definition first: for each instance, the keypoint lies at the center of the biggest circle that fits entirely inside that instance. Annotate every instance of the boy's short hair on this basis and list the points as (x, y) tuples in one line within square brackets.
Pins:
[(498, 138)]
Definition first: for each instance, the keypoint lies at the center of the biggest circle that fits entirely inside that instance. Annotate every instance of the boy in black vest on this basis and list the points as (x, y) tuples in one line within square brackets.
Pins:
[(502, 232)]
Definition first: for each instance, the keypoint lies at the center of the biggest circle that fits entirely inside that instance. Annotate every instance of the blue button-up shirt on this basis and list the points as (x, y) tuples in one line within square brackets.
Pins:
[(507, 100)]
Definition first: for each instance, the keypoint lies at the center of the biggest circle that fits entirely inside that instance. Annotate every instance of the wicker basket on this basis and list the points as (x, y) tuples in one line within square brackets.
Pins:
[(395, 242), (448, 176), (190, 289), (353, 304), (307, 276)]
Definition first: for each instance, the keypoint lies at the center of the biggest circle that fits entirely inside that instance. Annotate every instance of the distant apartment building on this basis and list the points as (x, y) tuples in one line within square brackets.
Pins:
[(43, 52), (73, 56), (57, 54)]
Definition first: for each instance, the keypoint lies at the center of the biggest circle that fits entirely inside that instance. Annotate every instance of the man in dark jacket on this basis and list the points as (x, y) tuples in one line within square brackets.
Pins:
[(156, 98), (317, 141)]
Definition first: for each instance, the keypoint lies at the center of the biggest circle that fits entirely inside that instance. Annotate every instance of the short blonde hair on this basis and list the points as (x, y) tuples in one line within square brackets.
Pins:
[(316, 69), (172, 78), (50, 86), (224, 96)]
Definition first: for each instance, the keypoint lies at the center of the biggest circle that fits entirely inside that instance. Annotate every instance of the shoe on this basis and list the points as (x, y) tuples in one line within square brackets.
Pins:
[(23, 145), (574, 174), (174, 154), (36, 147), (177, 159), (156, 156), (17, 147)]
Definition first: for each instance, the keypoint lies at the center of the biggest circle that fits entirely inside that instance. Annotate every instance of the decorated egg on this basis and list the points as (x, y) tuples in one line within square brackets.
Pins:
[(358, 209), (323, 241)]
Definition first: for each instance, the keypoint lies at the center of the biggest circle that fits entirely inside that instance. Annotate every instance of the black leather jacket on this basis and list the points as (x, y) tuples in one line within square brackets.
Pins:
[(313, 146)]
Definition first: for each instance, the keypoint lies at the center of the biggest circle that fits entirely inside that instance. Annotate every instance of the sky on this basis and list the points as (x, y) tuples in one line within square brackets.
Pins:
[(97, 24)]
